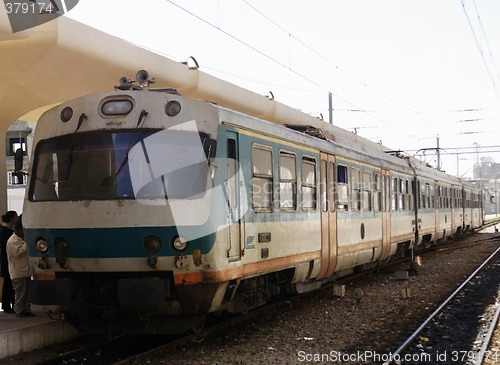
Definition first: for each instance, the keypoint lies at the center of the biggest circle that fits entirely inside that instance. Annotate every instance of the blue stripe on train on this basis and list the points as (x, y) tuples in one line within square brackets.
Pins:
[(112, 242)]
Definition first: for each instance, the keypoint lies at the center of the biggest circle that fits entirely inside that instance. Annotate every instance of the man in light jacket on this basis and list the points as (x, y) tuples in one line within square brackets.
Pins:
[(20, 270)]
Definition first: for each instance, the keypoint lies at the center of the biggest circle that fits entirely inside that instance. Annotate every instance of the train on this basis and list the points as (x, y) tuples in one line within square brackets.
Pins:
[(146, 210)]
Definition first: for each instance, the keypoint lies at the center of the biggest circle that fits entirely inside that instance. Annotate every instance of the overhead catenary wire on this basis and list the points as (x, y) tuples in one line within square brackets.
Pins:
[(324, 58), (407, 109), (253, 48), (371, 114), (495, 69), (491, 75)]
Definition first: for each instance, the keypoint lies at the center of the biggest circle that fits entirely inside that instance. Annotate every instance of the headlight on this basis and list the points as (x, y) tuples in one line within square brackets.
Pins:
[(152, 244), (173, 108), (116, 107), (180, 243), (61, 246), (66, 114), (42, 245)]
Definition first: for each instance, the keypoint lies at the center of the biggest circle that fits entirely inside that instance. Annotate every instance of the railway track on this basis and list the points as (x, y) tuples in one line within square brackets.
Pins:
[(451, 334), (487, 353), (124, 350), (131, 349), (104, 351)]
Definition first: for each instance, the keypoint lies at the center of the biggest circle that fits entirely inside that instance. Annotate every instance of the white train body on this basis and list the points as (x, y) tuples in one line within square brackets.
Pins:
[(146, 210)]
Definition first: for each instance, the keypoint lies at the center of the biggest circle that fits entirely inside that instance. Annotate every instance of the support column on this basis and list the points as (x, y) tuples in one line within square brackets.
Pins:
[(3, 169)]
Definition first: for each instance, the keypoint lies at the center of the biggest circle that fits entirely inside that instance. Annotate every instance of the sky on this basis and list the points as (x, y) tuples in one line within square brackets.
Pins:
[(407, 73)]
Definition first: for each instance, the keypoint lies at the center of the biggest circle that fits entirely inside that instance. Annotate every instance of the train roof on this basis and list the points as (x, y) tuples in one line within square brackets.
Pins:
[(338, 142), (324, 140)]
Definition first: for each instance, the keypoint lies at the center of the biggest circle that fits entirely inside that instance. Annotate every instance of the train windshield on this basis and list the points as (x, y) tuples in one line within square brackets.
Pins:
[(137, 164)]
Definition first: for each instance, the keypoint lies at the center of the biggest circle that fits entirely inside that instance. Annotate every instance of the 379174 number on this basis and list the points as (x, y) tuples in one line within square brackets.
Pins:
[(32, 8)]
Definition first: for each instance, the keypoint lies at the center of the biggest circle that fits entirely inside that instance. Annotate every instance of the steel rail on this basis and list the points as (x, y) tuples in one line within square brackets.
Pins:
[(489, 335), (412, 337), (186, 338)]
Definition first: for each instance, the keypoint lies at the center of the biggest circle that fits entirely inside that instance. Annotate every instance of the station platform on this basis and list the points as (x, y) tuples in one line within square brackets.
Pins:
[(19, 335)]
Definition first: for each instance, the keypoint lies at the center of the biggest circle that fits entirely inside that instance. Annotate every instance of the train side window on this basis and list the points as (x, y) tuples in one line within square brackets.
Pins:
[(377, 194), (424, 196), (440, 197), (331, 185), (427, 197), (394, 193), (443, 197), (412, 195), (356, 189), (323, 187), (308, 183), (401, 195), (342, 188), (433, 197), (288, 181), (367, 191), (262, 179), (407, 195), (231, 171), (386, 194), (418, 195)]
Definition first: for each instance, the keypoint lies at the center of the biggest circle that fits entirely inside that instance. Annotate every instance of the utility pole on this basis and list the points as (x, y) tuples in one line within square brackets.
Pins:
[(330, 108), (438, 153), (496, 196)]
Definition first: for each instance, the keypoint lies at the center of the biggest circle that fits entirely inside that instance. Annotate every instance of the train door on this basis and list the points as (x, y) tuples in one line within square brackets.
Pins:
[(328, 217), (235, 218), (436, 205), (386, 215), (451, 204)]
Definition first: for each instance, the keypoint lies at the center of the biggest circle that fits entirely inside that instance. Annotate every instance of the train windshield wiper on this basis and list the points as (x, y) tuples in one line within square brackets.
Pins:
[(71, 157), (133, 142)]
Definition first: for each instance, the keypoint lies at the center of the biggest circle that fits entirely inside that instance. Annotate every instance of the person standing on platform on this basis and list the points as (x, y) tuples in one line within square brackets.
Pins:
[(20, 270), (9, 220)]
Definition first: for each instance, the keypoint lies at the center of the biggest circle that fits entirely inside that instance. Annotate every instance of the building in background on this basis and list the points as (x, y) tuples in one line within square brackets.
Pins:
[(488, 173)]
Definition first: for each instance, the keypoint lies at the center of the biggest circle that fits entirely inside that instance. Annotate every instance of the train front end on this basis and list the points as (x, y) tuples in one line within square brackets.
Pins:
[(120, 204)]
